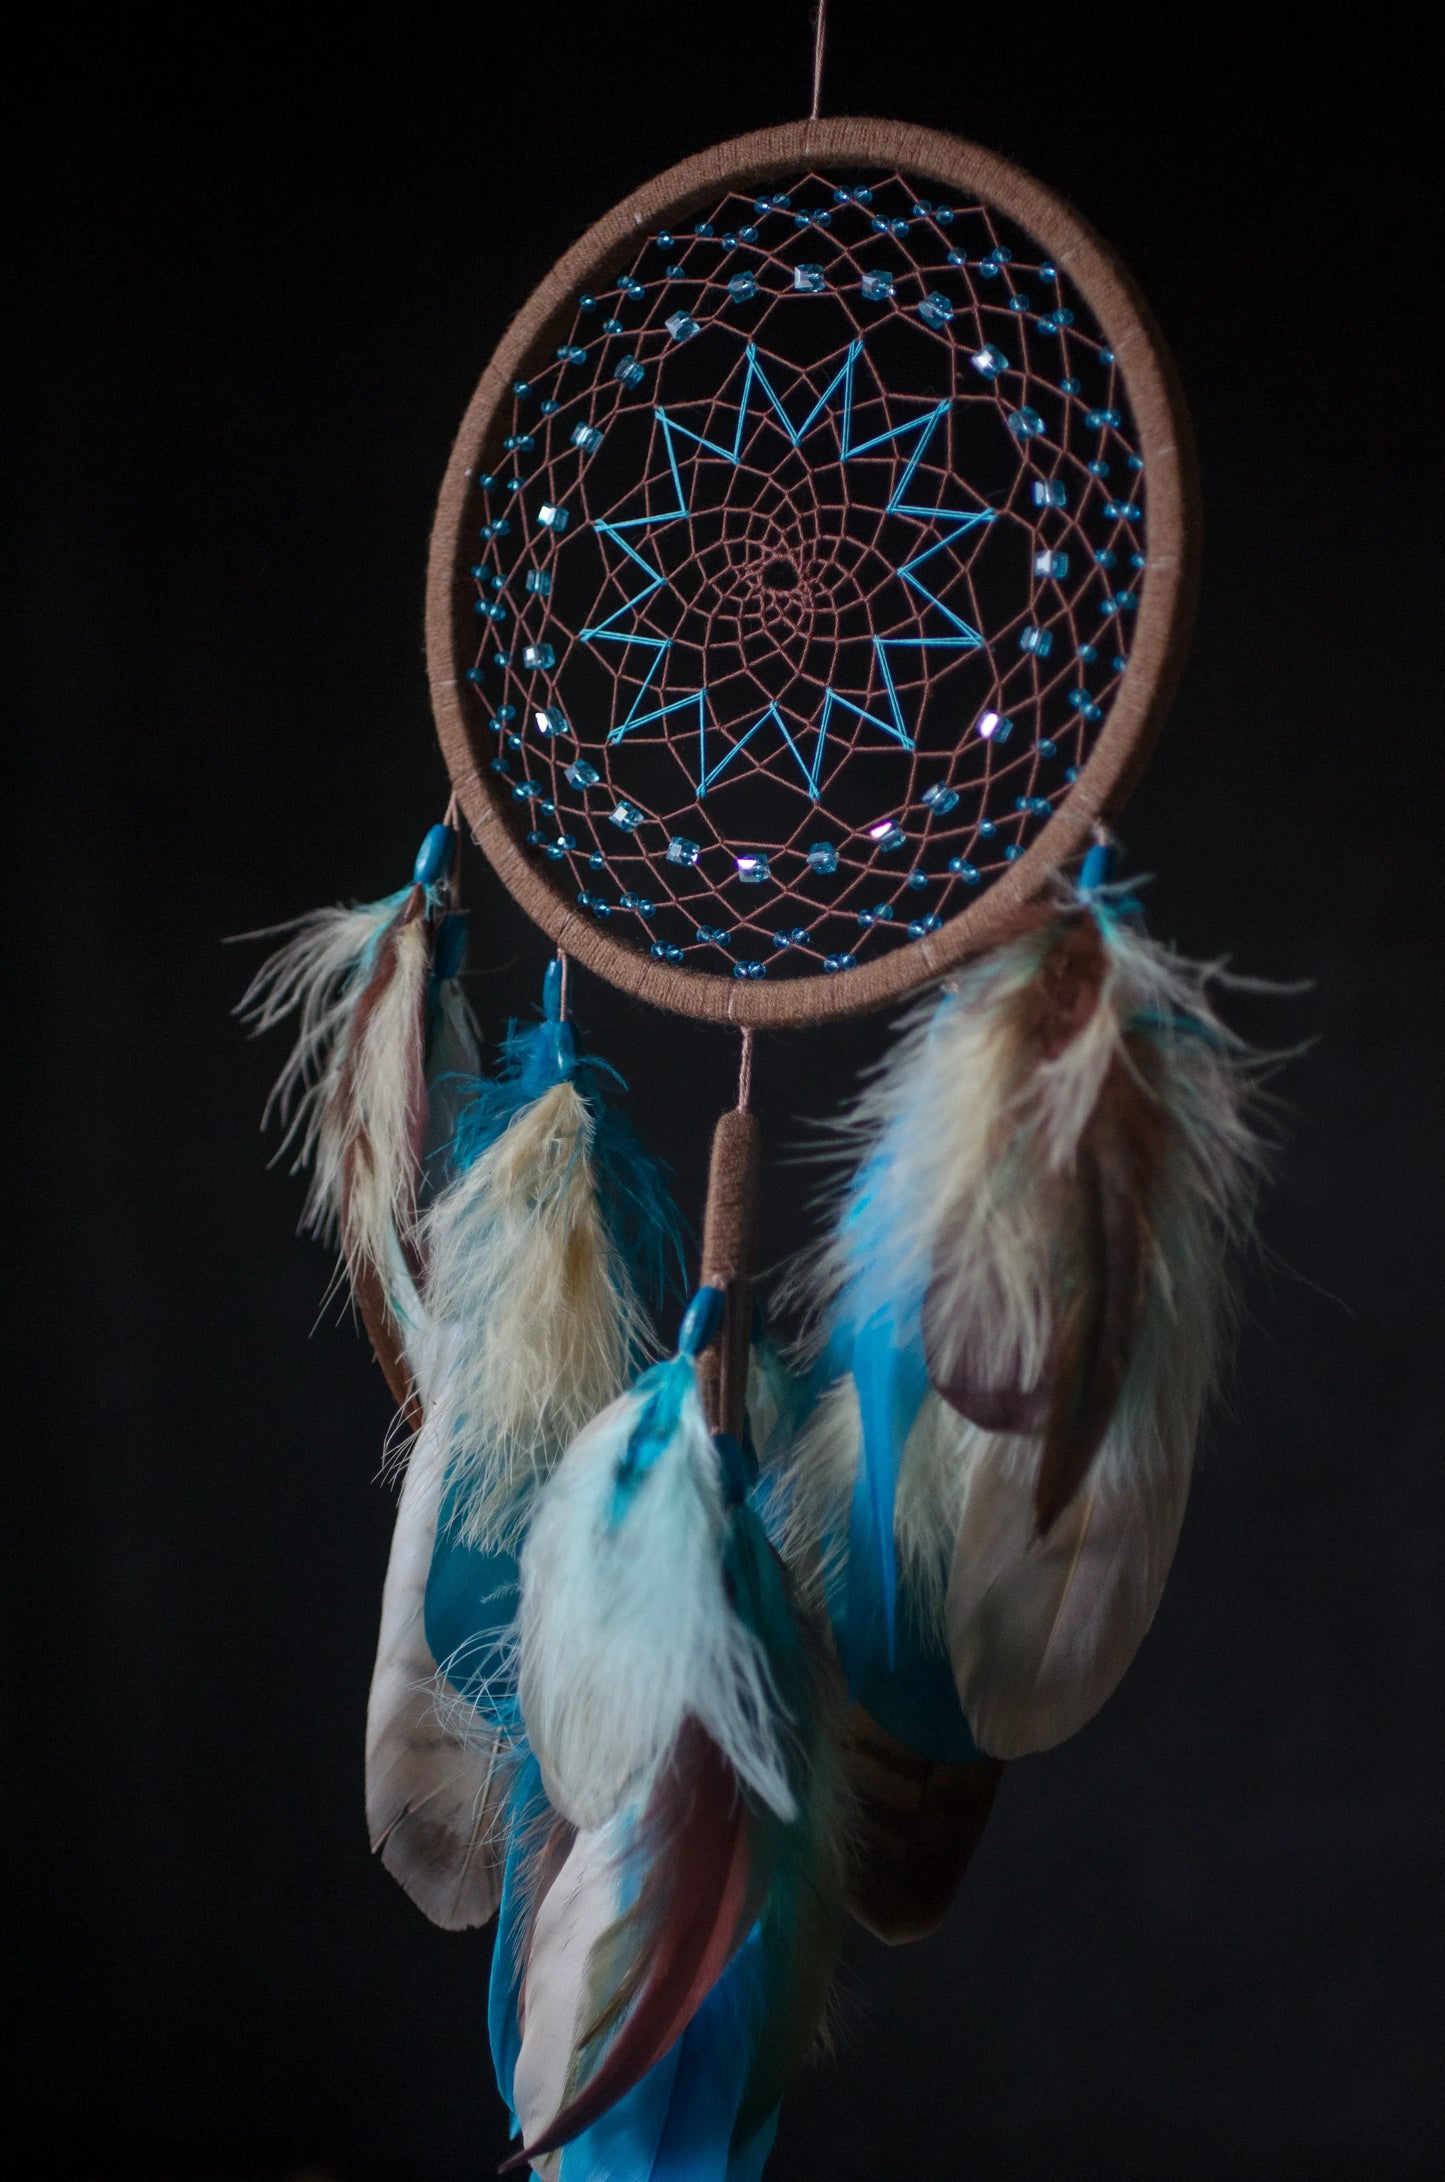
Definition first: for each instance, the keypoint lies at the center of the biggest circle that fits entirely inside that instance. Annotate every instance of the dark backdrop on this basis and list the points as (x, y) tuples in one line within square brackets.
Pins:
[(259, 273)]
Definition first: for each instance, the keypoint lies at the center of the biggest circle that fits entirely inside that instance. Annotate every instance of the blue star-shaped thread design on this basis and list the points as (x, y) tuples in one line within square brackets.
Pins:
[(657, 551)]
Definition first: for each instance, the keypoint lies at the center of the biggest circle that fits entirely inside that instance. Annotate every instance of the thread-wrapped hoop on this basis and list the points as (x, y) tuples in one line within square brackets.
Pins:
[(517, 748)]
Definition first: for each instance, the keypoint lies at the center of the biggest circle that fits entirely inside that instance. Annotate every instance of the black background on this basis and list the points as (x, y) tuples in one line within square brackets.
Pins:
[(259, 272)]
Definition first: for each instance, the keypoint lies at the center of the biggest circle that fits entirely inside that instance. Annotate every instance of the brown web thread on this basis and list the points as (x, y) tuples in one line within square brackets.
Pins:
[(755, 586)]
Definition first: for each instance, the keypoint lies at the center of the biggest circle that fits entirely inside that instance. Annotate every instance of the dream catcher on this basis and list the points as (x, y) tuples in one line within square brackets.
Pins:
[(809, 578)]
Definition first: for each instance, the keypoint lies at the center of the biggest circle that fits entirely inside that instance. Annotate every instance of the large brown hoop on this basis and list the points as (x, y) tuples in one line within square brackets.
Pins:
[(1166, 602)]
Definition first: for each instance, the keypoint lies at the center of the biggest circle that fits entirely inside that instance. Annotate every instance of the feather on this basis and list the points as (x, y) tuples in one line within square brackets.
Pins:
[(704, 1866), (626, 1626), (545, 1251), (352, 1097), (1054, 1166), (432, 1788), (647, 1969)]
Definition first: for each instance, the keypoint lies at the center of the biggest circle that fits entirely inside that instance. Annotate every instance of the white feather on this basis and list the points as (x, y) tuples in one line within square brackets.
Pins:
[(433, 1791), (577, 1909), (521, 1262), (1041, 1630), (626, 1626)]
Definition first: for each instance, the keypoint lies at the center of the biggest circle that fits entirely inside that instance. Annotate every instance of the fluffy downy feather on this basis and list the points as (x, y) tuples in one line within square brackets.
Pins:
[(520, 1256), (1056, 1160), (626, 1625), (353, 1093)]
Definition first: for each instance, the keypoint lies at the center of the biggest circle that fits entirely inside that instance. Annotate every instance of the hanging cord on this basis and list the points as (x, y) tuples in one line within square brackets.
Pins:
[(562, 962), (745, 1072), (820, 39)]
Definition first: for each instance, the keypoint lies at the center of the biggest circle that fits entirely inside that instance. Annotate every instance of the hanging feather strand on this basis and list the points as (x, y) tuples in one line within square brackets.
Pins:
[(1056, 1162), (544, 1252)]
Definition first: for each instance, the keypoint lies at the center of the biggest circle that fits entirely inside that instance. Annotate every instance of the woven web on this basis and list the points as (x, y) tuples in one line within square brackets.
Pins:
[(806, 570)]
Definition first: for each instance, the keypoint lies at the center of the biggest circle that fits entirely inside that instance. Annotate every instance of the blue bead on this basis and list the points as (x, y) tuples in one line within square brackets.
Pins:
[(1051, 564), (571, 355), (588, 438), (612, 325), (626, 815), (539, 580), (823, 857), (1102, 419), (840, 962), (526, 790), (940, 798), (475, 674), (701, 1321), (1098, 868), (1012, 853), (750, 969), (1038, 641), (639, 905), (630, 371), (988, 362), (944, 215), (553, 519), (703, 228), (1099, 468), (877, 287), (747, 234), (1121, 511), (664, 241), (753, 869), (713, 935), (629, 286), (551, 720), (741, 287), (1049, 492), (1047, 749), (987, 828), (434, 857), (886, 836), (918, 880), (922, 926), (1025, 423), (935, 310), (538, 658), (582, 775), (808, 279), (521, 389), (682, 851), (993, 727), (519, 443), (597, 860), (1088, 653), (1106, 556), (681, 327), (923, 210), (1018, 302), (586, 302), (963, 869), (1068, 386)]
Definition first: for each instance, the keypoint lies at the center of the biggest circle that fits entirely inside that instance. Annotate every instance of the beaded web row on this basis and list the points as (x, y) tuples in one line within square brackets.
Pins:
[(805, 575)]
